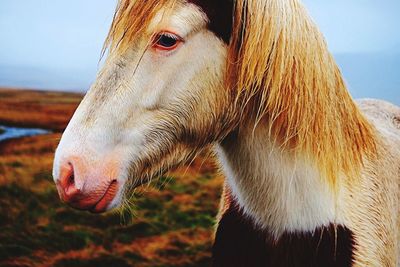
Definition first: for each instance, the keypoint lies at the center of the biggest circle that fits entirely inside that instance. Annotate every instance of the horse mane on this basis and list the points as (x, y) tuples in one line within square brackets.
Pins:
[(279, 63)]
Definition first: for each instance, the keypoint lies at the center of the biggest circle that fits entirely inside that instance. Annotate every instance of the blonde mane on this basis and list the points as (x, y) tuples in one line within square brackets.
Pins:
[(281, 70), (279, 63)]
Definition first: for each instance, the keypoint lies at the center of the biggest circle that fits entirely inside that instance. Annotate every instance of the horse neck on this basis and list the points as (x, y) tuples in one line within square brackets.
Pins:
[(279, 192)]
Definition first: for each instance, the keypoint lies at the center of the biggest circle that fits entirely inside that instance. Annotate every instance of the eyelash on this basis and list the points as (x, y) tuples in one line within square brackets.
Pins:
[(160, 41)]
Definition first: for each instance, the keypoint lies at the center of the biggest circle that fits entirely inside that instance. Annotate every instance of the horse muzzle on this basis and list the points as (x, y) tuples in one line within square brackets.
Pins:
[(93, 197)]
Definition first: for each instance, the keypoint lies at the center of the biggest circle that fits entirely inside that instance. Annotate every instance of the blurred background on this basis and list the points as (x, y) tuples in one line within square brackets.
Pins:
[(53, 49), (56, 44)]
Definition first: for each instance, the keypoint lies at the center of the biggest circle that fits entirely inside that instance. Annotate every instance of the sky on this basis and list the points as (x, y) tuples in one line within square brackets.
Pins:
[(357, 26), (56, 44)]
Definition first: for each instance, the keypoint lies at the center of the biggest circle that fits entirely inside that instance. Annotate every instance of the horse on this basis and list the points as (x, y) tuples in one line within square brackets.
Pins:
[(312, 176)]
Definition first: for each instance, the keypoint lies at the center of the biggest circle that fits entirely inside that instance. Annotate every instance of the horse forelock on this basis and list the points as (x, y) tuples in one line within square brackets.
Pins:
[(131, 19)]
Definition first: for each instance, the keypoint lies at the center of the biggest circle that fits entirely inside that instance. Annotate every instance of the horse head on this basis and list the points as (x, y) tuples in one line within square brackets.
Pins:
[(157, 101)]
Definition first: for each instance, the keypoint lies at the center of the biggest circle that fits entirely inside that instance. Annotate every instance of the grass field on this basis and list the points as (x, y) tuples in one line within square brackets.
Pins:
[(173, 218)]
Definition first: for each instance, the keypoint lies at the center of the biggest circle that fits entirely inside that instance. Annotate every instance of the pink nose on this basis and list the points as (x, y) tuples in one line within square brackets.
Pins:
[(95, 200)]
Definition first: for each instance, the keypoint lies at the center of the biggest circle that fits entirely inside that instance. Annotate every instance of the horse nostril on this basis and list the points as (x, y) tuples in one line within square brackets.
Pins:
[(71, 180), (70, 185), (67, 182)]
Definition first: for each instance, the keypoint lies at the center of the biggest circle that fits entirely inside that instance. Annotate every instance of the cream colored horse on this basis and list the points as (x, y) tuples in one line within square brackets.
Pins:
[(312, 178)]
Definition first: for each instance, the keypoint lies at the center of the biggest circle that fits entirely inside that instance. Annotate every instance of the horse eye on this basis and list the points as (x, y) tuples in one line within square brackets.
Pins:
[(166, 41)]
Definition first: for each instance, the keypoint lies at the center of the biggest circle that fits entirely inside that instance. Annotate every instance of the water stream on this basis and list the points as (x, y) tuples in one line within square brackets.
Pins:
[(7, 132)]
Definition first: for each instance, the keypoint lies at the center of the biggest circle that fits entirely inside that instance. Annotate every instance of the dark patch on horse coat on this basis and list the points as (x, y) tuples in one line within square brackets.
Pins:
[(220, 16), (239, 244)]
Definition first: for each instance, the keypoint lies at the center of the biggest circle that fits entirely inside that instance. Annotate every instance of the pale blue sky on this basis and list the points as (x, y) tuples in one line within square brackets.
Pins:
[(358, 25), (56, 43)]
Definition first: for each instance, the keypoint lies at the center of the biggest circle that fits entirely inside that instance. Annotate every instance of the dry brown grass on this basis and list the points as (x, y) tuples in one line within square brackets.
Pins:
[(43, 109)]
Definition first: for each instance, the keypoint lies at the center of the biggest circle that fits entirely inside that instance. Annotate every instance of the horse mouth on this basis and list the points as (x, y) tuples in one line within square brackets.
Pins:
[(106, 199)]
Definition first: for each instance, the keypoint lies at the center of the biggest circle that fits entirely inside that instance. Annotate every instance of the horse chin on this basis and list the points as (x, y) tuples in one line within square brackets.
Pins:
[(153, 172)]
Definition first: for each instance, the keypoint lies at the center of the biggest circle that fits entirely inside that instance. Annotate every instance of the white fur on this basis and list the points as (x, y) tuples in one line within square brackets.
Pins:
[(277, 192)]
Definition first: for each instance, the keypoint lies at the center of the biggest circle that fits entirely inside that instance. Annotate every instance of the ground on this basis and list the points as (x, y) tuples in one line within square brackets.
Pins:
[(173, 221)]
